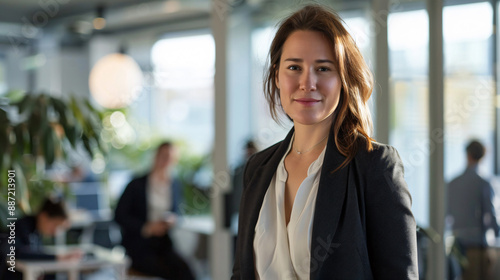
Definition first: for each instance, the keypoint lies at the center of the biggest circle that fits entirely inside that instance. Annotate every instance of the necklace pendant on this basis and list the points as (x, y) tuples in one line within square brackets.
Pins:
[(297, 151)]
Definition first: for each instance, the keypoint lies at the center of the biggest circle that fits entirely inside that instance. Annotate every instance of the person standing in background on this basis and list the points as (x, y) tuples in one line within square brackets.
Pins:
[(472, 216), (145, 213)]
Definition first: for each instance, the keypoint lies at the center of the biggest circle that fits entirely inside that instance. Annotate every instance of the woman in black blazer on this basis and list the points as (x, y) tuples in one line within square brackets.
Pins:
[(327, 187), (145, 235)]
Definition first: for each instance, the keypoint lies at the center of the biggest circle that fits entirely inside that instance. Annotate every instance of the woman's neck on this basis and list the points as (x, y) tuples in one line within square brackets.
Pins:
[(306, 136)]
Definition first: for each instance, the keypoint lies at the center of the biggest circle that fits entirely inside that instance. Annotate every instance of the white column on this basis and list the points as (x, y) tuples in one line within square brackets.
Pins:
[(383, 100), (437, 186), (48, 74), (496, 137), (220, 241), (16, 77), (239, 66)]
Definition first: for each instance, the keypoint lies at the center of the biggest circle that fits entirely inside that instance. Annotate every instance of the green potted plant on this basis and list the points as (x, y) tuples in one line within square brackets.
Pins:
[(35, 130)]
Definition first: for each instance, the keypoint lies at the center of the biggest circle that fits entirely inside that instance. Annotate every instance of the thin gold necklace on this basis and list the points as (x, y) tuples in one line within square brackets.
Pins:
[(300, 153)]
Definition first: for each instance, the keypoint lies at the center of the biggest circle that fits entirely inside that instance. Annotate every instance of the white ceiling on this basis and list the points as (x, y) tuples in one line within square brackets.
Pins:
[(118, 13), (15, 10)]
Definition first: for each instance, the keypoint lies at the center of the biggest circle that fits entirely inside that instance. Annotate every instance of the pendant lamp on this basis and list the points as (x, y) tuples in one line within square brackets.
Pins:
[(115, 81)]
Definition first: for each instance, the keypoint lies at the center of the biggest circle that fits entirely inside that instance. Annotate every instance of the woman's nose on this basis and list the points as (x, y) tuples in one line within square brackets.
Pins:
[(308, 81)]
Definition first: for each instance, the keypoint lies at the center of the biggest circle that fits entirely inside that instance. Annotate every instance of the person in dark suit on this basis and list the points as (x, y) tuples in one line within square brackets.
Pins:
[(145, 212), (327, 202), (472, 216), (30, 231)]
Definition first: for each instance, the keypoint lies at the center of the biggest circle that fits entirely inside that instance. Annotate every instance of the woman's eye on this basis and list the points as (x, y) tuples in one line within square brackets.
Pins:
[(293, 67), (323, 69)]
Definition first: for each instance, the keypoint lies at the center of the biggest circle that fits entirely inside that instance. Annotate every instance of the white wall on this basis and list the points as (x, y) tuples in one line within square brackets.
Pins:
[(16, 77)]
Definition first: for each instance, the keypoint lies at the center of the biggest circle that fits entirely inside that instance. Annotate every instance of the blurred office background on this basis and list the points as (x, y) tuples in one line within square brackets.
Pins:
[(196, 75)]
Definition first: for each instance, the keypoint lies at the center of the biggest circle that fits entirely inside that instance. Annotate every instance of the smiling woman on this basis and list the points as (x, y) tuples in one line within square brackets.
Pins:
[(327, 202)]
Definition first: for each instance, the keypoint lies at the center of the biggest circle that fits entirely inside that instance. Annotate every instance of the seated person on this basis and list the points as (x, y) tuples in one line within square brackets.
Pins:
[(144, 215), (31, 229)]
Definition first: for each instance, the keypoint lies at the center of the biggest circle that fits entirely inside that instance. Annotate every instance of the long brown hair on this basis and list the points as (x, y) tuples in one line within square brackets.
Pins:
[(353, 121)]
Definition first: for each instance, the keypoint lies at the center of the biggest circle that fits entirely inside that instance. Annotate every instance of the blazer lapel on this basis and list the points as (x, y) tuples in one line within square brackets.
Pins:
[(329, 202), (253, 197)]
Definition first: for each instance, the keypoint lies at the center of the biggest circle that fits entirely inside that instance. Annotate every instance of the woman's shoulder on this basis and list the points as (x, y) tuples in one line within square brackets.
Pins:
[(383, 171), (137, 183), (380, 155)]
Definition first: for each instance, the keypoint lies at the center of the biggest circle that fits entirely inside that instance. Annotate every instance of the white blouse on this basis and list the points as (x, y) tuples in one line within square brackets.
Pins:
[(159, 199), (281, 251)]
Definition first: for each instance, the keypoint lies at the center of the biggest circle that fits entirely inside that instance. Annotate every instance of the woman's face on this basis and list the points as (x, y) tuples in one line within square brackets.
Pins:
[(164, 157), (307, 78)]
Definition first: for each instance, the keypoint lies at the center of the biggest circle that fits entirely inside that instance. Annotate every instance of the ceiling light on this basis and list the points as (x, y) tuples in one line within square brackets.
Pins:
[(99, 22), (115, 81)]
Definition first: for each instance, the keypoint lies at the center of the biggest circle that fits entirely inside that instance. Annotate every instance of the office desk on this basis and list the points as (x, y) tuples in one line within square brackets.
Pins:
[(103, 258)]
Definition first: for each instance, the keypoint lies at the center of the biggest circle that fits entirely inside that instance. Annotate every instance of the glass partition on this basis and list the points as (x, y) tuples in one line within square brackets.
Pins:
[(409, 89), (182, 100), (468, 84)]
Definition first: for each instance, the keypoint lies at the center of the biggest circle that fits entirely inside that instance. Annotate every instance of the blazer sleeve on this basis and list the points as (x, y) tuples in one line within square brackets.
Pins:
[(125, 215), (390, 225)]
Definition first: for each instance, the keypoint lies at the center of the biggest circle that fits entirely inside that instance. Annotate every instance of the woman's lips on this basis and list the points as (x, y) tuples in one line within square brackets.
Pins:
[(307, 101)]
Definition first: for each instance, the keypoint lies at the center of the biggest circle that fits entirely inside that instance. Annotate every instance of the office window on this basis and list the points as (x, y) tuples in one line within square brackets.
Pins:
[(359, 27), (182, 98), (409, 89), (468, 84)]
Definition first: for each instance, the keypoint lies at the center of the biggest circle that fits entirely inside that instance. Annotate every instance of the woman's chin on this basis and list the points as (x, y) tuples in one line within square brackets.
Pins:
[(310, 119), (307, 120)]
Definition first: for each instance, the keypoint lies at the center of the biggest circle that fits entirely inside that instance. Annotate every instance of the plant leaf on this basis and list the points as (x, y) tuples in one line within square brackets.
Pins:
[(15, 96), (3, 117), (34, 143), (27, 103), (61, 110), (71, 136), (4, 139), (22, 191), (48, 146), (76, 111), (86, 144), (18, 130)]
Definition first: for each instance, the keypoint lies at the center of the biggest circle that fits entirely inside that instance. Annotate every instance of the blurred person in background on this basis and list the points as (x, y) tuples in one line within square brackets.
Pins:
[(146, 212), (234, 197), (471, 214), (31, 230)]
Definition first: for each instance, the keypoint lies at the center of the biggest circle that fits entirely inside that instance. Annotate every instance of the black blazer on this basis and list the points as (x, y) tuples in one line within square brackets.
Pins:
[(131, 214), (363, 227)]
